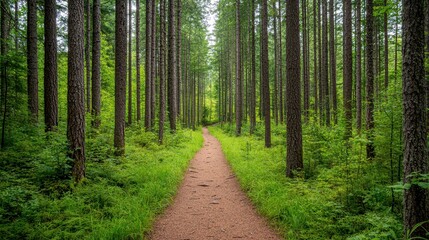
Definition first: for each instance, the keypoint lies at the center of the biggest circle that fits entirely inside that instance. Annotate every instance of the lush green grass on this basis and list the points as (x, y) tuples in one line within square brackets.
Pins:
[(118, 199), (337, 197)]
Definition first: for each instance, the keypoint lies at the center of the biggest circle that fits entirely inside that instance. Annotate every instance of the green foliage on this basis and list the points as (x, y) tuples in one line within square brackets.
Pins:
[(118, 199), (338, 196)]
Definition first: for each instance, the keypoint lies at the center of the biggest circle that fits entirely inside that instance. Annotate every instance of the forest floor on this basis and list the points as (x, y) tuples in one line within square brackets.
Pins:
[(210, 203)]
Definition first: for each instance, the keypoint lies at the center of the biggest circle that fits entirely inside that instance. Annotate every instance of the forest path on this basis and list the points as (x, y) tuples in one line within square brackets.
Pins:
[(210, 203)]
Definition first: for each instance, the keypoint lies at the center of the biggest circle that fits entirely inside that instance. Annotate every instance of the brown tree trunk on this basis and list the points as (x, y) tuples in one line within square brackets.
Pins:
[(386, 50), (333, 59), (238, 80), (265, 73), (281, 104), (348, 67), (325, 70), (416, 198), (138, 78), (148, 66), (276, 62), (172, 74), (50, 72), (305, 62), (293, 130), (32, 65), (130, 69), (358, 67), (315, 51), (120, 74), (179, 50), (88, 55), (252, 109), (76, 88), (96, 52), (162, 56), (370, 150), (153, 63)]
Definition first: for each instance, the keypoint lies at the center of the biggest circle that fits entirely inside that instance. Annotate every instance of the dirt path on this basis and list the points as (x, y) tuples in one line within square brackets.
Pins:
[(210, 203)]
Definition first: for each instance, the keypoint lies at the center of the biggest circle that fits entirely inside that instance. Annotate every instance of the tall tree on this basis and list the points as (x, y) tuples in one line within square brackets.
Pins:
[(96, 52), (138, 79), (370, 150), (253, 74), (88, 55), (416, 198), (148, 66), (348, 66), (386, 49), (333, 58), (162, 58), (76, 88), (130, 66), (179, 53), (50, 70), (238, 81), (305, 77), (32, 65), (358, 67), (172, 74), (120, 74), (325, 63), (265, 82), (293, 87), (4, 34)]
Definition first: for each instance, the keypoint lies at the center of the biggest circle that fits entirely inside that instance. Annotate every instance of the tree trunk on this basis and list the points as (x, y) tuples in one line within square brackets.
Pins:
[(76, 88), (253, 75), (179, 50), (348, 67), (130, 69), (294, 160), (386, 49), (305, 62), (238, 80), (325, 70), (162, 56), (148, 66), (120, 74), (358, 67), (370, 150), (153, 64), (172, 74), (88, 55), (416, 198), (276, 62), (280, 63), (32, 65), (96, 52), (138, 78), (265, 73), (315, 51), (333, 58), (50, 70)]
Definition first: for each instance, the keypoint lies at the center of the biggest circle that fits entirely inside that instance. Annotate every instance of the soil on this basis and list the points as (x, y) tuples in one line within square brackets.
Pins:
[(210, 203)]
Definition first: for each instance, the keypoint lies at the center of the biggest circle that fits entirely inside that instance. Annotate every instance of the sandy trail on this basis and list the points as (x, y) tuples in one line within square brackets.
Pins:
[(210, 203)]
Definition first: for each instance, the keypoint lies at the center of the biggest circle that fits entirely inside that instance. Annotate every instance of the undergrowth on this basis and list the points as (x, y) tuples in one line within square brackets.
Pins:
[(339, 195), (118, 199)]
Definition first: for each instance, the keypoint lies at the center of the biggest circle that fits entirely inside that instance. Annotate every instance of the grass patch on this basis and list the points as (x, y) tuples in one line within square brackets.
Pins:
[(118, 199), (321, 204)]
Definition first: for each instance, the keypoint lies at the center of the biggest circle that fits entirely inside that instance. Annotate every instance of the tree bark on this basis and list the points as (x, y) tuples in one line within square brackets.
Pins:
[(265, 73), (162, 56), (138, 78), (130, 69), (305, 62), (32, 65), (88, 55), (253, 75), (148, 66), (238, 80), (96, 53), (294, 160), (370, 150), (76, 88), (172, 74), (51, 72), (358, 67), (179, 51), (325, 69), (416, 198), (120, 74), (333, 59), (348, 67), (386, 49)]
